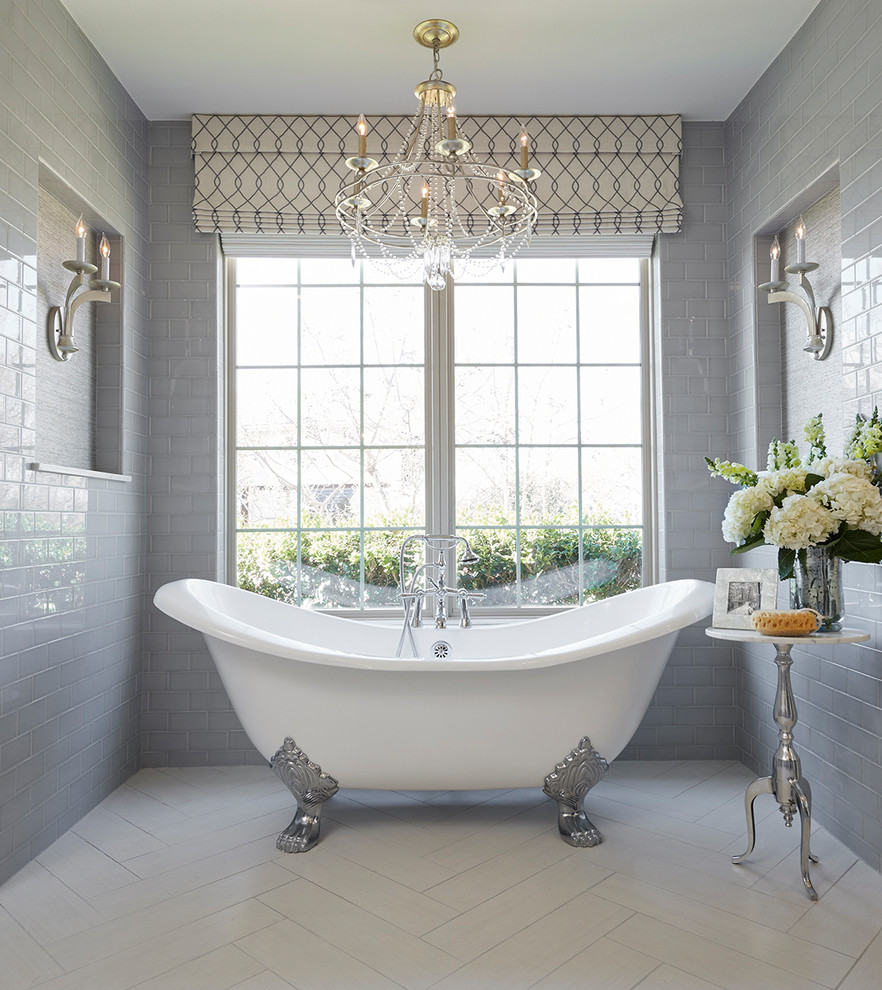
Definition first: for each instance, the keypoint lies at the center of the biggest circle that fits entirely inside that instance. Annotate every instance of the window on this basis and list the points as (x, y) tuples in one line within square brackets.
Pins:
[(509, 409)]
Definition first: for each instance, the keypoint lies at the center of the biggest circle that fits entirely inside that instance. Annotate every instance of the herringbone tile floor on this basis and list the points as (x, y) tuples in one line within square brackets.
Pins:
[(174, 883)]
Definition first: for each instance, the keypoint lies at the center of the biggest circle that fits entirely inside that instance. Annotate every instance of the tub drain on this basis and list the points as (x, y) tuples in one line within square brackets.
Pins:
[(440, 650)]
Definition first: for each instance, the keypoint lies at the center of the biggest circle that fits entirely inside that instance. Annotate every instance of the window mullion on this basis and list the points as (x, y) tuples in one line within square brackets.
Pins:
[(440, 484)]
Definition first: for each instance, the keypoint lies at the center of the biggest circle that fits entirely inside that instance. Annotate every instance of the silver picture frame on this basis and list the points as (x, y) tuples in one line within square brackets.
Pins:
[(740, 591)]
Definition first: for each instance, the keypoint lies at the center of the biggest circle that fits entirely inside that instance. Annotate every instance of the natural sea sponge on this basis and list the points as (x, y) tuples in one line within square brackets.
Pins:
[(787, 622)]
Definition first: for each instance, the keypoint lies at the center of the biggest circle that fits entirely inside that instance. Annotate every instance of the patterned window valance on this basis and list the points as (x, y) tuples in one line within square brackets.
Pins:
[(279, 174)]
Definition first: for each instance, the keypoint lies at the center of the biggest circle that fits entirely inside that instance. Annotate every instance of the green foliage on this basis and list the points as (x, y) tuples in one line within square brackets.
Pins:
[(549, 561)]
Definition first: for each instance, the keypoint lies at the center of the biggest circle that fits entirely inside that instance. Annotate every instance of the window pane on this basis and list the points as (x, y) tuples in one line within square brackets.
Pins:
[(485, 405), (266, 271), (611, 405), (609, 331), (331, 569), (548, 410), (611, 562), (484, 324), (550, 566), (330, 488), (330, 407), (330, 327), (393, 326), (266, 488), (546, 324), (394, 487), (546, 269), (612, 490), (267, 564), (266, 408), (609, 270), (329, 271), (495, 574), (268, 318), (394, 406), (549, 488), (381, 558), (485, 486)]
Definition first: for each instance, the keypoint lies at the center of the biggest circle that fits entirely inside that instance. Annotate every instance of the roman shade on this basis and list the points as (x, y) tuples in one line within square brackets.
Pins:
[(279, 174)]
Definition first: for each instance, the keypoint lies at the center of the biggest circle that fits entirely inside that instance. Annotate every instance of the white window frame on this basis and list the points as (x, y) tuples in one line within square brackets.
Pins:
[(440, 394)]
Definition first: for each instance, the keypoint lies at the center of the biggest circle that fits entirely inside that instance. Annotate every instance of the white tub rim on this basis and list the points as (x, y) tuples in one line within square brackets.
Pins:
[(182, 601)]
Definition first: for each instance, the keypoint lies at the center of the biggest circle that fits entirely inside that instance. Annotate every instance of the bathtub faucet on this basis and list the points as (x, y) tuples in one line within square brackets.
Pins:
[(434, 575)]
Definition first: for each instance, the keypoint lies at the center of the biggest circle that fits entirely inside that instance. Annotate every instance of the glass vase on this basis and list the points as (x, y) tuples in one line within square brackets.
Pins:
[(817, 584)]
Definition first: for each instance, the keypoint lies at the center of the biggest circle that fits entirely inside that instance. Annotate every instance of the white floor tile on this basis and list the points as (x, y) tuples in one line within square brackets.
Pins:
[(602, 966), (307, 961), (174, 883), (218, 970), (668, 978), (24, 962), (46, 908), (731, 969), (85, 869), (813, 962), (382, 946), (151, 923)]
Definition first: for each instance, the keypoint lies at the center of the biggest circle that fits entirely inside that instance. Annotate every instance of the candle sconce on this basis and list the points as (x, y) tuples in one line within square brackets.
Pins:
[(819, 319), (61, 318)]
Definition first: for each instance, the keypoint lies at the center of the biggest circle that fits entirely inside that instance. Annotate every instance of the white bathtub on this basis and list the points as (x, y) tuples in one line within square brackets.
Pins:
[(505, 707)]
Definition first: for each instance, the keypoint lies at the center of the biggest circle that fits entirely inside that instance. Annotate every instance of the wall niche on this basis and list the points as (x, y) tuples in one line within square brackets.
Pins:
[(78, 401)]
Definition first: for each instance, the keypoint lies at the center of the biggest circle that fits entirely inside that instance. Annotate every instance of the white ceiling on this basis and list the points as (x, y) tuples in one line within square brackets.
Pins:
[(694, 57)]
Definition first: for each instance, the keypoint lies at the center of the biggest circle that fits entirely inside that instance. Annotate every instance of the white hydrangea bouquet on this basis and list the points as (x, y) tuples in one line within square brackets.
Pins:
[(819, 501)]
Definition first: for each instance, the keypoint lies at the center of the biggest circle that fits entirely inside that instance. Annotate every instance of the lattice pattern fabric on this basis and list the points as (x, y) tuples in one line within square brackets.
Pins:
[(279, 174)]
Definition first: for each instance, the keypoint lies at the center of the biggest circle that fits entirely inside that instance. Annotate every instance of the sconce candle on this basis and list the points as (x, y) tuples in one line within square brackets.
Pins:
[(524, 150), (424, 206), (800, 242), (775, 254), (104, 248), (81, 240), (451, 123)]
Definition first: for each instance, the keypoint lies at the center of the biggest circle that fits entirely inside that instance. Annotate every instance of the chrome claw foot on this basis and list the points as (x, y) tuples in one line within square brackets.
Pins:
[(302, 834), (311, 787), (577, 829), (568, 784)]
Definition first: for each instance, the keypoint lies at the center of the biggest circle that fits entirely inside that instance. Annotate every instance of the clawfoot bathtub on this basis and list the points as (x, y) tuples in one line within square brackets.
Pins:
[(496, 706)]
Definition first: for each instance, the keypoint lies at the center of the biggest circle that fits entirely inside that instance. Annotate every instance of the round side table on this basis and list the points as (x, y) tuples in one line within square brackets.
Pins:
[(788, 786)]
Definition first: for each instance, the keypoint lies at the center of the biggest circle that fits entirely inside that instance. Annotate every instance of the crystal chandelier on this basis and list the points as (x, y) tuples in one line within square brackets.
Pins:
[(434, 209)]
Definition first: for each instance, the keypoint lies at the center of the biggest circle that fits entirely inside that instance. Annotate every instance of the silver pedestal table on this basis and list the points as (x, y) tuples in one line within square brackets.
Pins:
[(786, 783)]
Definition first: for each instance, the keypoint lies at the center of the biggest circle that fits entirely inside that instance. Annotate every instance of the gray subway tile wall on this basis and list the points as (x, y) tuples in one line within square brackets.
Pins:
[(94, 682), (71, 549), (817, 113)]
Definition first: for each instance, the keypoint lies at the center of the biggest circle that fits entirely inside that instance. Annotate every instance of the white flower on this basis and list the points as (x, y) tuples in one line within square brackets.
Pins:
[(852, 499), (828, 466), (743, 508), (800, 522), (790, 481)]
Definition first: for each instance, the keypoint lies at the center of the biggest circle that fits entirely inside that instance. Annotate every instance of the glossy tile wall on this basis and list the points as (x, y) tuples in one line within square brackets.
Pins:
[(815, 119), (187, 717), (72, 548)]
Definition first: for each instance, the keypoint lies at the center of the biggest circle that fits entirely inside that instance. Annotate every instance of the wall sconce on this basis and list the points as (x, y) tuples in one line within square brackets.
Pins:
[(61, 318), (819, 319)]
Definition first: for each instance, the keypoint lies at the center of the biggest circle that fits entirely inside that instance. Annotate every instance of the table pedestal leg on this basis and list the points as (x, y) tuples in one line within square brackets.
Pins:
[(790, 788), (762, 785)]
